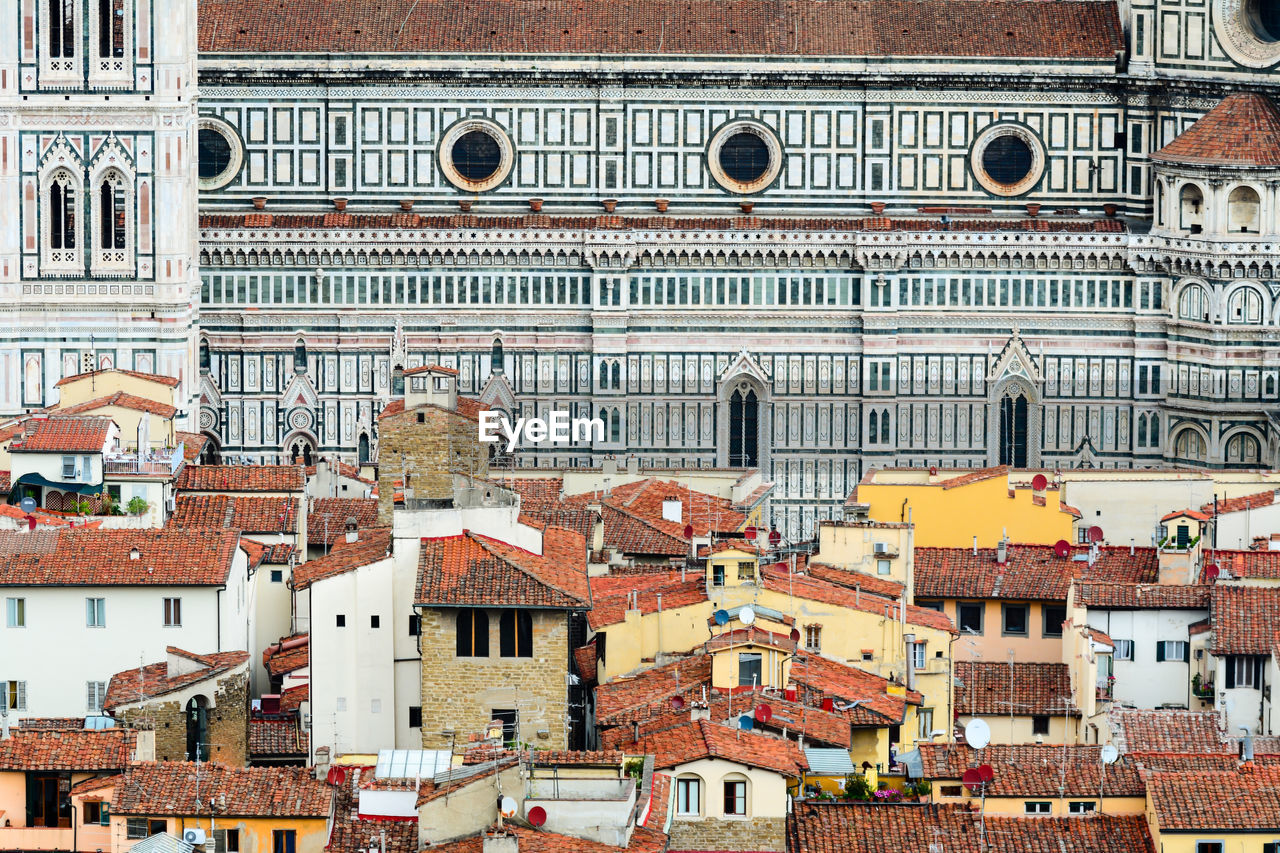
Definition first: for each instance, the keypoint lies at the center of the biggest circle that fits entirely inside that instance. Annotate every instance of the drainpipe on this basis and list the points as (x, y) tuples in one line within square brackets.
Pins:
[(909, 640)]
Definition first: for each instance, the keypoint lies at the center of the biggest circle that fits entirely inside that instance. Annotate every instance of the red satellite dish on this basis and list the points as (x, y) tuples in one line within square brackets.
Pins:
[(688, 531), (986, 774), (795, 635), (933, 470), (764, 713), (1211, 571), (1062, 548), (750, 532), (971, 778), (337, 776), (1039, 482), (537, 815), (677, 702), (774, 538), (1095, 534)]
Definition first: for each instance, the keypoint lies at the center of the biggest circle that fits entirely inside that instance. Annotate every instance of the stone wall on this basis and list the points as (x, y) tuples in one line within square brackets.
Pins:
[(461, 693), (760, 833), (228, 720), (428, 444)]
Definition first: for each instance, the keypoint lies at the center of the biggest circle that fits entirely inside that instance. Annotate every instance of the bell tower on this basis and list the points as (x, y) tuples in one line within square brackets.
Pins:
[(98, 223)]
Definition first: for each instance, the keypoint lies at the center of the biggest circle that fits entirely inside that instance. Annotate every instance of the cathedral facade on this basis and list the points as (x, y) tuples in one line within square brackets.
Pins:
[(813, 237)]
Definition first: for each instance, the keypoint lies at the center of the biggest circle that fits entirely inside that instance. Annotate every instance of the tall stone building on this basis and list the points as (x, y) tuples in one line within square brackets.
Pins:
[(811, 237)]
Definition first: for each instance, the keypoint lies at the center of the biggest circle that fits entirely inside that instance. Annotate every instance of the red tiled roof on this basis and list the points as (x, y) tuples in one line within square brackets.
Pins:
[(630, 534), (976, 476), (175, 788), (1030, 572), (1166, 731), (1242, 130), (472, 569), (276, 737), (705, 739), (62, 749), (279, 660), (706, 513), (1186, 513), (51, 723), (431, 368), (96, 783), (63, 435), (610, 594), (1142, 596), (137, 685), (151, 377), (1038, 688), (121, 400), (821, 677), (1180, 762), (1246, 619), (850, 579), (777, 577), (584, 658), (331, 514), (991, 28), (1035, 770), (242, 478), (841, 827), (648, 693), (1244, 502), (250, 513), (373, 544), (192, 444), (1263, 564), (352, 833), (79, 557), (1202, 802), (293, 697)]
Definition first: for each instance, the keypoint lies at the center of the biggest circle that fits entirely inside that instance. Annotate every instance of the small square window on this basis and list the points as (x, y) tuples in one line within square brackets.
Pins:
[(415, 716), (1124, 650), (1040, 724), (374, 621), (1037, 808), (969, 615), (1054, 616), (342, 620), (883, 567), (1015, 620), (1209, 847), (277, 576), (867, 655)]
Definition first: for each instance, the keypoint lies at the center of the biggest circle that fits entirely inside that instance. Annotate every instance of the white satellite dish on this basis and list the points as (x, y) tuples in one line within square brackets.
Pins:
[(747, 615), (1110, 754), (508, 807), (977, 733)]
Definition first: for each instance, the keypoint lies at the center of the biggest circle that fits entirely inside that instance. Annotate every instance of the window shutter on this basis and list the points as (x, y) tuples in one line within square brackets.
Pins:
[(1159, 652), (1231, 673), (220, 841), (22, 695)]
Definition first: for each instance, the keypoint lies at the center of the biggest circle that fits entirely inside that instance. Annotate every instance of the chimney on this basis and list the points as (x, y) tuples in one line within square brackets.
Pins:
[(353, 529), (633, 466), (672, 510), (322, 763), (500, 843), (910, 641), (1002, 551), (145, 746)]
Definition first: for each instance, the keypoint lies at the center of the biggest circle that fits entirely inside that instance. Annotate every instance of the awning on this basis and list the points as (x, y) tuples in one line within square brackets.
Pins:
[(914, 762), (829, 762), (38, 480)]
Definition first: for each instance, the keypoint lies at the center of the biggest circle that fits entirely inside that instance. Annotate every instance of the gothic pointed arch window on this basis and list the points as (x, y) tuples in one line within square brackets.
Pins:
[(301, 452), (496, 358), (1153, 433), (1013, 428), (112, 216), (397, 381), (62, 223), (744, 427), (198, 729), (1193, 304), (1142, 430), (615, 426), (300, 355), (363, 448)]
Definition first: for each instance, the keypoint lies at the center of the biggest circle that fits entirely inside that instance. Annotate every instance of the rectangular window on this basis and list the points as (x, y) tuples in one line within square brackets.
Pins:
[(1081, 807), (1054, 616), (717, 574), (749, 664), (746, 570), (1209, 847), (883, 567), (924, 718), (415, 716), (929, 605), (1124, 650), (172, 612), (951, 790), (15, 610), (284, 840), (277, 576), (15, 694), (1015, 620), (507, 716), (813, 638), (68, 467), (688, 796), (95, 692), (1040, 724), (735, 798), (375, 621), (415, 625), (1171, 650), (135, 827), (1244, 671), (917, 656), (155, 827), (341, 620), (95, 613), (969, 616), (97, 814), (1037, 808)]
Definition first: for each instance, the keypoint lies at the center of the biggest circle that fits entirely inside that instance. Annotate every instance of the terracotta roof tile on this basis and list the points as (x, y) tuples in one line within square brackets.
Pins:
[(1030, 572), (1244, 800), (1240, 504), (1245, 619), (352, 833), (61, 749), (777, 577), (1037, 688), (336, 511), (706, 513), (280, 660), (120, 400), (1166, 731), (1264, 564), (175, 788), (192, 444), (1035, 770), (1144, 596), (584, 658), (960, 28), (250, 513), (1242, 130), (705, 739), (51, 723), (373, 544), (276, 736), (137, 685), (82, 557), (242, 478), (477, 570), (648, 693), (610, 595), (63, 435), (151, 377), (850, 579), (822, 677), (293, 697)]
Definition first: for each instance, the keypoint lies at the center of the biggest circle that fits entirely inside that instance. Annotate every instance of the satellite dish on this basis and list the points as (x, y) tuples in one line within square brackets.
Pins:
[(764, 713), (795, 635), (1110, 754), (1095, 534), (28, 504), (1211, 571), (1062, 548), (747, 615), (750, 532), (745, 723), (986, 774), (336, 776), (507, 806), (677, 702), (977, 733), (971, 778), (1039, 482), (688, 531), (933, 470), (774, 538), (721, 617), (537, 815)]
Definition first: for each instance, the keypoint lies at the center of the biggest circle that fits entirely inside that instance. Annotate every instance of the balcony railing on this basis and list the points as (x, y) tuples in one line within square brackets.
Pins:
[(163, 462)]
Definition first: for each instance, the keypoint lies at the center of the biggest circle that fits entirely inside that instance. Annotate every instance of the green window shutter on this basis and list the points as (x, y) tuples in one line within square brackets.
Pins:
[(1159, 652)]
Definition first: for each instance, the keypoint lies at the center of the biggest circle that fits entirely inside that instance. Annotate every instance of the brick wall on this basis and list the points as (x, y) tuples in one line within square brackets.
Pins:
[(228, 721), (760, 833), (429, 451), (461, 693)]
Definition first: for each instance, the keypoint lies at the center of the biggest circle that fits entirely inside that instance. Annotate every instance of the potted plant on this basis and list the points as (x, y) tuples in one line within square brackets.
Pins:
[(137, 505), (83, 507), (856, 787), (661, 204), (535, 204)]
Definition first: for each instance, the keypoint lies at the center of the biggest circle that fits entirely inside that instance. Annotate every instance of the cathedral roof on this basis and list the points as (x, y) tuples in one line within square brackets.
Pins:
[(1242, 130), (1066, 29)]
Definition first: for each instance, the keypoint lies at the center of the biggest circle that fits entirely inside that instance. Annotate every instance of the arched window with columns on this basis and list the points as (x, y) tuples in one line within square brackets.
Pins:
[(113, 223), (61, 225)]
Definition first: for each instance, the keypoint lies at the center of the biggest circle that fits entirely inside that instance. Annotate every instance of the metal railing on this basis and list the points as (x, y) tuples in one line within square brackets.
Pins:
[(145, 462)]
